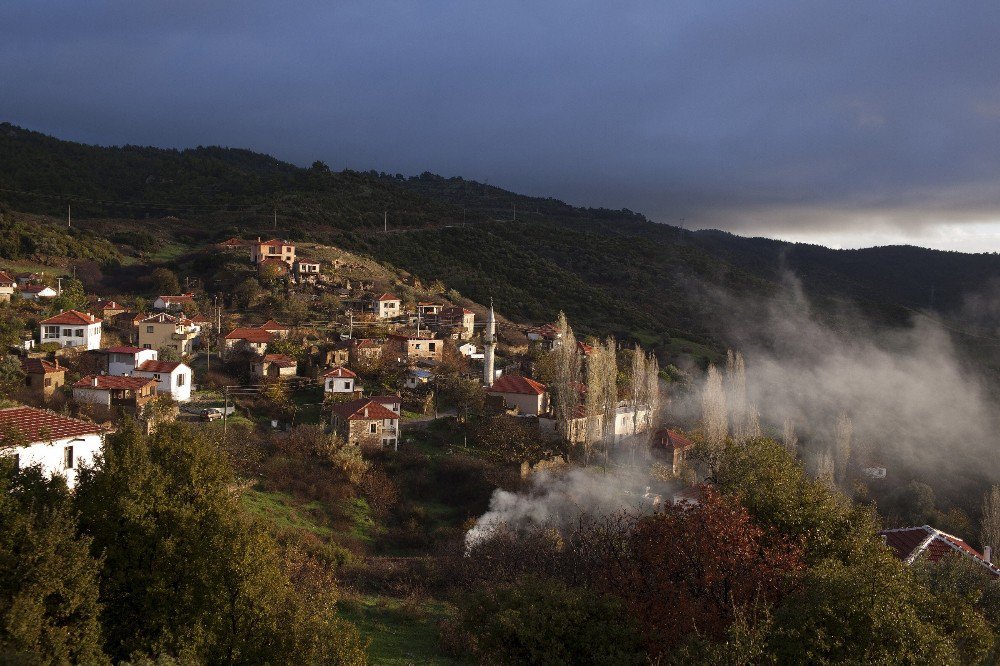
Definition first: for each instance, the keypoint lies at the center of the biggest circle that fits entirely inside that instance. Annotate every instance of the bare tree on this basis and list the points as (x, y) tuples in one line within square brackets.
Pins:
[(568, 372), (788, 437), (751, 425), (825, 469), (843, 436), (610, 397), (990, 526), (736, 391), (637, 390), (597, 379), (652, 391), (715, 416)]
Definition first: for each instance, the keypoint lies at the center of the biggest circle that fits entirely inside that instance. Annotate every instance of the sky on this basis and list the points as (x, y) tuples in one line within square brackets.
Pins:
[(844, 123)]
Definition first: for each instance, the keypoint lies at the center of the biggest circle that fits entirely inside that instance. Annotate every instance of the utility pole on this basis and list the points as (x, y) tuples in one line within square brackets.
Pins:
[(350, 329), (275, 219), (225, 410), (208, 354), (385, 222), (59, 286), (69, 216)]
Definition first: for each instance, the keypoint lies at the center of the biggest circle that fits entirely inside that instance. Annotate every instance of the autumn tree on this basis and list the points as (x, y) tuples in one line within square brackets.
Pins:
[(714, 410), (163, 281), (567, 375)]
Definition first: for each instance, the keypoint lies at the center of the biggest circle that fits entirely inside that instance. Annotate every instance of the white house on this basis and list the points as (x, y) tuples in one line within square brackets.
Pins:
[(174, 303), (528, 396), (34, 292), (470, 350), (630, 420), (173, 378), (71, 329), (129, 393), (124, 360), (7, 286), (340, 380), (58, 444), (387, 306)]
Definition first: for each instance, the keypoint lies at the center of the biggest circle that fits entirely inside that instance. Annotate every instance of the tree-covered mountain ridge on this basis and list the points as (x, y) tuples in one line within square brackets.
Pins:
[(611, 270)]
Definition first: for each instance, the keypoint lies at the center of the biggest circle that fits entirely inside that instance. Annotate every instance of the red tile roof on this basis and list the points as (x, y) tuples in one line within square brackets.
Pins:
[(35, 288), (159, 366), (254, 335), (584, 348), (364, 408), (387, 297), (232, 242), (547, 331), (517, 384), (271, 325), (6, 280), (110, 305), (911, 543), (274, 242), (110, 382), (72, 317), (179, 298), (38, 366), (340, 372), (39, 425), (671, 439)]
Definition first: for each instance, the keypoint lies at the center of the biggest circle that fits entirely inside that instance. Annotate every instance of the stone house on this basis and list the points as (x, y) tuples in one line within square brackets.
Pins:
[(366, 422), (42, 378)]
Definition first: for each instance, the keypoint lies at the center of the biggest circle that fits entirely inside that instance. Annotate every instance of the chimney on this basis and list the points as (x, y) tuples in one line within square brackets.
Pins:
[(366, 411), (93, 381), (988, 554)]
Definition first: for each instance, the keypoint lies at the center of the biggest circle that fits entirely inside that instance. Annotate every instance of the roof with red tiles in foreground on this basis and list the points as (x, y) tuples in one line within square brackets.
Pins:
[(40, 425)]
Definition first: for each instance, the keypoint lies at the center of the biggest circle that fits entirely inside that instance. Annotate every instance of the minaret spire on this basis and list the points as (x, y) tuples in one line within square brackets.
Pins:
[(489, 344)]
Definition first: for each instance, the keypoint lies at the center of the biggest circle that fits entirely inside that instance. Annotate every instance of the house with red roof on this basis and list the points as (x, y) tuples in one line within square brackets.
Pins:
[(280, 330), (71, 328), (274, 366), (340, 381), (547, 336), (42, 378), (253, 339), (274, 248), (365, 350), (911, 544), (131, 394), (7, 286), (366, 421), (176, 303), (172, 378), (673, 446), (57, 444), (167, 331), (35, 292), (124, 359), (457, 322), (387, 306), (529, 397)]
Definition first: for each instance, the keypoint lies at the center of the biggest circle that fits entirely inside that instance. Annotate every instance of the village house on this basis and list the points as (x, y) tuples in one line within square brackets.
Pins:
[(529, 397), (71, 329), (547, 336), (340, 380), (7, 286), (672, 446), (306, 271), (57, 444), (391, 402), (42, 378), (123, 360), (274, 366), (272, 249), (252, 339), (925, 543), (34, 292), (629, 420), (128, 393), (365, 351), (231, 244), (278, 330), (176, 303), (338, 354), (165, 331), (366, 422), (427, 309), (470, 350), (412, 347), (172, 378), (458, 322), (387, 306), (107, 309)]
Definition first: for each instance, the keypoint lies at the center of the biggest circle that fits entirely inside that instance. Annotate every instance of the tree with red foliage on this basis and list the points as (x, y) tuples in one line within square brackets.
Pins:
[(695, 568)]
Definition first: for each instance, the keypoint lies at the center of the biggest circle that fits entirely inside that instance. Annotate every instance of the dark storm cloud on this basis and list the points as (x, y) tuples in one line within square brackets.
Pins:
[(790, 117)]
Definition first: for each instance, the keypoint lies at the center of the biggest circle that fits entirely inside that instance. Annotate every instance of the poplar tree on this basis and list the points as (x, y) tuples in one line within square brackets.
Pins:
[(567, 375), (990, 527), (843, 436), (714, 412)]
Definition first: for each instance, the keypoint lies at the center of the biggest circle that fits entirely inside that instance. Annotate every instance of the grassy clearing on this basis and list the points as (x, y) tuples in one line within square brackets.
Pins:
[(362, 524), (283, 511), (402, 632)]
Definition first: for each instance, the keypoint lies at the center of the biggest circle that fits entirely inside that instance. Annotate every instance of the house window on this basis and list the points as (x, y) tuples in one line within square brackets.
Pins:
[(48, 381), (347, 385), (156, 376), (431, 346), (373, 428), (68, 458), (149, 329), (79, 332), (147, 346), (272, 250), (51, 332), (67, 332), (181, 379)]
